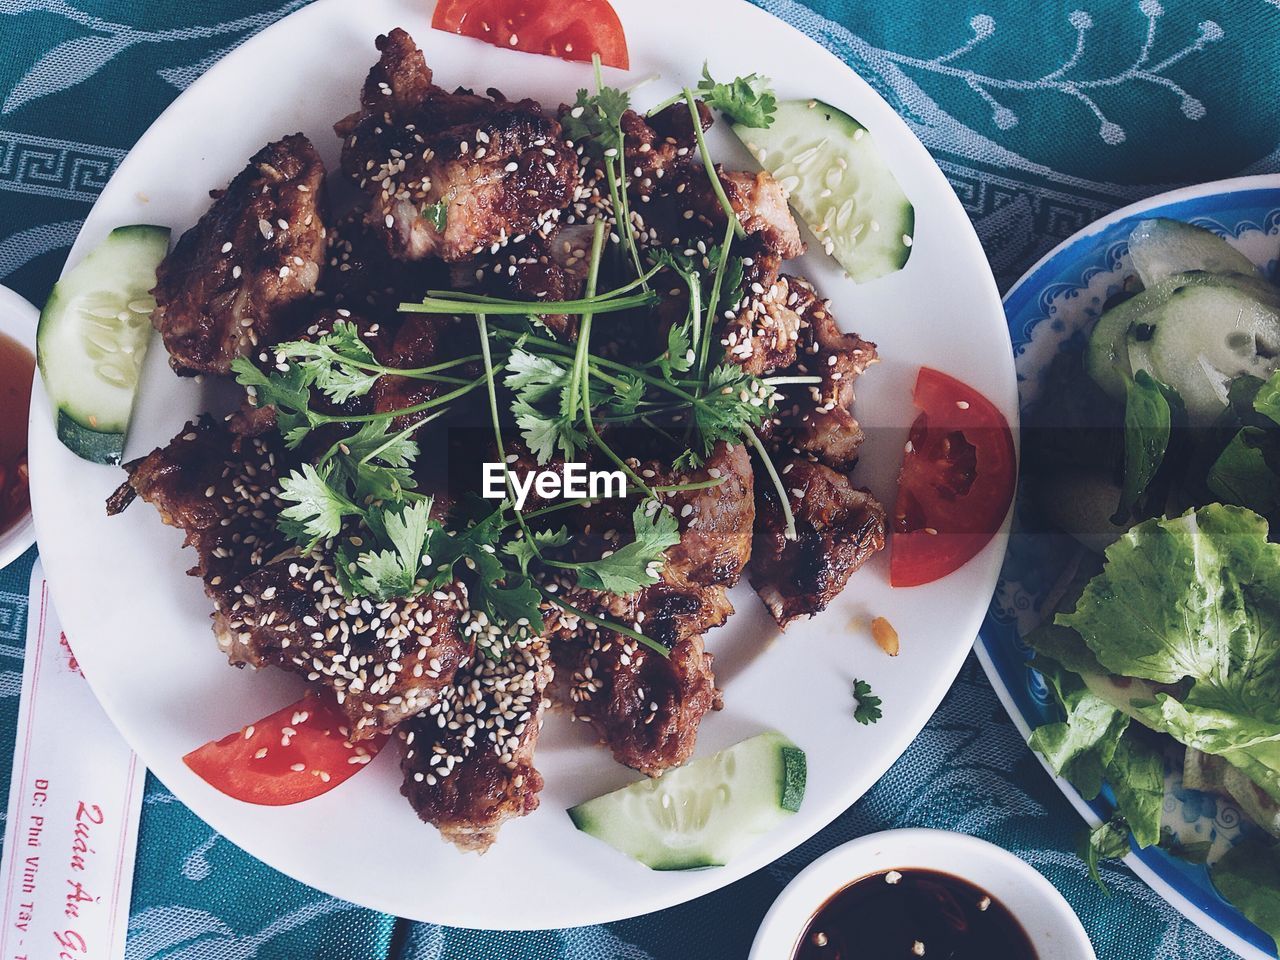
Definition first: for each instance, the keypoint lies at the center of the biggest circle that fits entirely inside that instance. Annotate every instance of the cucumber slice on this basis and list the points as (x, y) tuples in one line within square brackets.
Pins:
[(1161, 248), (93, 336), (1120, 341), (839, 184), (1206, 336), (701, 814), (1106, 357)]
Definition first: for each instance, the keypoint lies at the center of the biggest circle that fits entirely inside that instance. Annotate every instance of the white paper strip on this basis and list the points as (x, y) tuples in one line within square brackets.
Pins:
[(74, 803)]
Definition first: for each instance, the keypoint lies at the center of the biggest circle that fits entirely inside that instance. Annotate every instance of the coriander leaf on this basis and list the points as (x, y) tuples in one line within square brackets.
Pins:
[(437, 214), (318, 507), (1081, 747), (505, 596), (544, 433), (373, 464), (594, 120), (374, 442), (409, 529), (383, 576), (1248, 877), (1148, 423), (732, 402), (513, 604), (866, 704), (538, 380), (534, 378), (1243, 473), (634, 565), (335, 362), (1136, 775), (1107, 841), (689, 460), (625, 398), (289, 391), (678, 357), (747, 100), (525, 549)]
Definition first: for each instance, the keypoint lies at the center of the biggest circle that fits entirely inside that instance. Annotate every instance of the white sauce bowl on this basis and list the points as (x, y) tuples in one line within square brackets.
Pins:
[(18, 320), (1053, 928)]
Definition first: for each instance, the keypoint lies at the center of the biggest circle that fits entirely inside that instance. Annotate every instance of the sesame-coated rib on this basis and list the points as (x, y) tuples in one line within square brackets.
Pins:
[(274, 605), (233, 279)]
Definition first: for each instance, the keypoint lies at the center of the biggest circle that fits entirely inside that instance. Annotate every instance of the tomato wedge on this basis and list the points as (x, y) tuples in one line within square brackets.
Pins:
[(568, 29), (956, 483), (295, 754)]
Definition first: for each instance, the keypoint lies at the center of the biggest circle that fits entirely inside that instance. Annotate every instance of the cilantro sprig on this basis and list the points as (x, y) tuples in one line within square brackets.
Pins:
[(866, 708), (747, 100), (595, 120)]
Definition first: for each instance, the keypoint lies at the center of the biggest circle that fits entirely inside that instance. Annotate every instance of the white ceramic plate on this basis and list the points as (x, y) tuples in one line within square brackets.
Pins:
[(141, 626), (1059, 296), (1051, 925)]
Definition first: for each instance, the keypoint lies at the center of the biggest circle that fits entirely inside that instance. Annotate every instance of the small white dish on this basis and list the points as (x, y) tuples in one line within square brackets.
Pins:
[(1053, 928), (18, 321)]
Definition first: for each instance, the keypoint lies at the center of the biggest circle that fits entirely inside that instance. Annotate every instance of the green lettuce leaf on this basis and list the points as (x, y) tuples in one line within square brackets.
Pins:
[(1248, 876), (1243, 474), (1195, 602), (1106, 841), (1081, 747), (1136, 775), (1266, 400)]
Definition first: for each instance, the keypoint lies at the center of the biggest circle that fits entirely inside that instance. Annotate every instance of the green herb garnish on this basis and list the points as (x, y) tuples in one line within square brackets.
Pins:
[(437, 214), (746, 100), (866, 707)]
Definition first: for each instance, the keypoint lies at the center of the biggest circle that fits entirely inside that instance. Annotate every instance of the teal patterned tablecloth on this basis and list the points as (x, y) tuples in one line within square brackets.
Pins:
[(1044, 115)]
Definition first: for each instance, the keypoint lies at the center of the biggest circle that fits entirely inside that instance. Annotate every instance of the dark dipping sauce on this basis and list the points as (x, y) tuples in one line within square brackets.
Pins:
[(17, 367), (922, 913)]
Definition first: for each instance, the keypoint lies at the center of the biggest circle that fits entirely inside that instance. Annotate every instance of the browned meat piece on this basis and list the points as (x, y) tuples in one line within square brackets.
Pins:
[(361, 275), (662, 148), (838, 528), (273, 605), (218, 488), (231, 280), (416, 344), (675, 205), (500, 168), (468, 759), (645, 707), (764, 333), (822, 425), (715, 539), (385, 661), (540, 269), (761, 206)]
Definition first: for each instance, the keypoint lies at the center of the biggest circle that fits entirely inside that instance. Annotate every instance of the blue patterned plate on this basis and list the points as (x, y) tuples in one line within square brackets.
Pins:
[(1051, 304)]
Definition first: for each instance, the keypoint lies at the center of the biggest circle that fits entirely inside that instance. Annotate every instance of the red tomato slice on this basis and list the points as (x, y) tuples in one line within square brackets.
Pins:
[(956, 483), (568, 29), (292, 755)]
